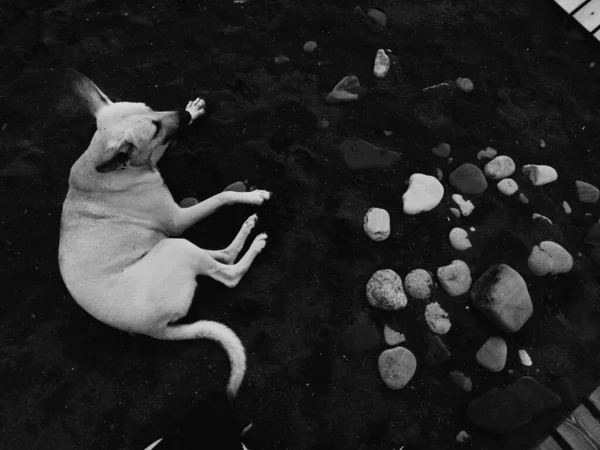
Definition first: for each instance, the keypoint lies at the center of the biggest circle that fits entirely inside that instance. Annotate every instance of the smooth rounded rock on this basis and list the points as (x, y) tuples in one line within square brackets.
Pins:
[(459, 239), (377, 224), (424, 194), (385, 290), (586, 192), (455, 278), (310, 46), (549, 258), (540, 174), (377, 17), (468, 179), (508, 186), (500, 167), (437, 318), (492, 355), (419, 284), (382, 64), (566, 207), (392, 337), (488, 153), (525, 358), (442, 150), (466, 206), (397, 366), (464, 84)]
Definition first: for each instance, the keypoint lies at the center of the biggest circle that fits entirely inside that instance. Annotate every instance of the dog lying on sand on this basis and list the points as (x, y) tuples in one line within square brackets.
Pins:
[(119, 254)]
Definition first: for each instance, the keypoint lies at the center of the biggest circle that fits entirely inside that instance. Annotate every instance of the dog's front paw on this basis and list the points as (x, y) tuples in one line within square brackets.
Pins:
[(196, 108), (256, 197)]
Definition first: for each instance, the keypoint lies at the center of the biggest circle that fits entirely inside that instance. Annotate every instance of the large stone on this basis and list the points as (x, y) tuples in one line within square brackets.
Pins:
[(587, 193), (385, 290), (468, 179), (549, 258), (361, 154), (501, 295), (504, 410), (397, 366), (455, 278), (459, 239), (424, 194)]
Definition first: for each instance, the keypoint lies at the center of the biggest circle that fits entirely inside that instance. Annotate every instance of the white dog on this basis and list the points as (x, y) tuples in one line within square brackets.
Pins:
[(118, 255)]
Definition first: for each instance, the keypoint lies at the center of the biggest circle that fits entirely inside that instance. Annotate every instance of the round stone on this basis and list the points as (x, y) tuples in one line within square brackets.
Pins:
[(508, 186), (385, 290), (310, 46), (549, 258), (419, 284), (587, 193), (187, 202), (442, 150), (492, 354), (500, 167), (468, 179), (459, 239), (437, 318), (397, 366), (377, 224), (488, 153), (424, 193), (455, 278), (464, 84), (382, 64)]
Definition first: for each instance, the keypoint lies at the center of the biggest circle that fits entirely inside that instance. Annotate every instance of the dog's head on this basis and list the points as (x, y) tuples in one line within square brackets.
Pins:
[(129, 135)]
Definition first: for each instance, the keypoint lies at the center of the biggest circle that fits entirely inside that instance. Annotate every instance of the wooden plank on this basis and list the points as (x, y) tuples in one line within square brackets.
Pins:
[(581, 430), (549, 444), (594, 397), (589, 15), (570, 5)]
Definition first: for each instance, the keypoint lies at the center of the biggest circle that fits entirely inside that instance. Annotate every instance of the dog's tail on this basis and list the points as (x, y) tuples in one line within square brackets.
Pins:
[(207, 329)]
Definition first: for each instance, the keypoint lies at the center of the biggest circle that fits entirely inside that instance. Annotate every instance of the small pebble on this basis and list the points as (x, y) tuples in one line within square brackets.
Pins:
[(459, 239), (539, 216), (392, 337), (592, 65), (382, 64), (524, 357), (488, 153), (466, 206), (377, 17), (455, 212), (540, 175), (492, 355), (461, 380), (187, 202), (500, 167), (377, 224), (281, 59), (542, 143), (388, 133), (508, 186), (385, 290), (462, 437), (523, 199), (455, 278), (310, 46), (566, 207), (437, 318), (464, 84)]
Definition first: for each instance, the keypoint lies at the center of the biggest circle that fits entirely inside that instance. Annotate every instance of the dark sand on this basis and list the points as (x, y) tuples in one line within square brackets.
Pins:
[(69, 382)]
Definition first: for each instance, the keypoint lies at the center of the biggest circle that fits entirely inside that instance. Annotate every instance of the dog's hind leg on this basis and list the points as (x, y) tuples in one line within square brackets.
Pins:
[(230, 254)]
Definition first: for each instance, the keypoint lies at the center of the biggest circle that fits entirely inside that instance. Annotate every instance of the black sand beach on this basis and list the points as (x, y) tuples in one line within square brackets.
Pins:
[(70, 382)]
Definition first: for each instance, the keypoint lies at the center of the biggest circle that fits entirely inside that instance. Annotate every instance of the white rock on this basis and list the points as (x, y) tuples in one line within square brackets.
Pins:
[(424, 193), (540, 174), (437, 318), (385, 290), (377, 224), (549, 258), (508, 186), (397, 366), (525, 358), (459, 239), (382, 64), (419, 284), (541, 217), (455, 212), (392, 337), (455, 278), (466, 206), (566, 207), (462, 437), (500, 167), (464, 84), (488, 153)]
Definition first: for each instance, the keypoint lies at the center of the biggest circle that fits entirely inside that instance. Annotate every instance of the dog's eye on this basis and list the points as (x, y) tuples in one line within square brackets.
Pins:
[(157, 125)]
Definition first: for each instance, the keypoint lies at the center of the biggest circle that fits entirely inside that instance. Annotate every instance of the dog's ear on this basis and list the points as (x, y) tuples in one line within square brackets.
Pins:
[(87, 91), (121, 157)]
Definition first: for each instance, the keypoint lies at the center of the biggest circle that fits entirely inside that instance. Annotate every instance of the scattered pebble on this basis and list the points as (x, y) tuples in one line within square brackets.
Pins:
[(424, 193), (523, 199), (455, 278), (388, 133), (377, 224), (382, 64), (508, 186), (468, 179), (549, 258), (392, 337), (592, 65), (419, 284), (535, 216), (500, 167), (462, 437), (566, 207), (397, 366), (540, 174), (442, 150), (310, 46), (281, 59), (461, 380), (345, 91), (385, 290), (587, 193), (488, 153), (437, 318), (459, 239), (464, 84), (187, 202), (466, 206), (492, 355), (377, 17), (542, 143), (525, 358)]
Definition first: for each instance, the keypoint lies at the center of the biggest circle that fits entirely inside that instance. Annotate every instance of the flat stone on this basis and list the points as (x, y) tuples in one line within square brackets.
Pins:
[(505, 410), (587, 193), (392, 337), (238, 186), (488, 153), (468, 179), (492, 355), (377, 16), (310, 46), (385, 290), (397, 366), (419, 284), (377, 224), (361, 154)]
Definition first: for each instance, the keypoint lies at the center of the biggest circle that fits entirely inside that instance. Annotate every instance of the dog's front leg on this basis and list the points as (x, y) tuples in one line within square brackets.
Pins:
[(186, 217)]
